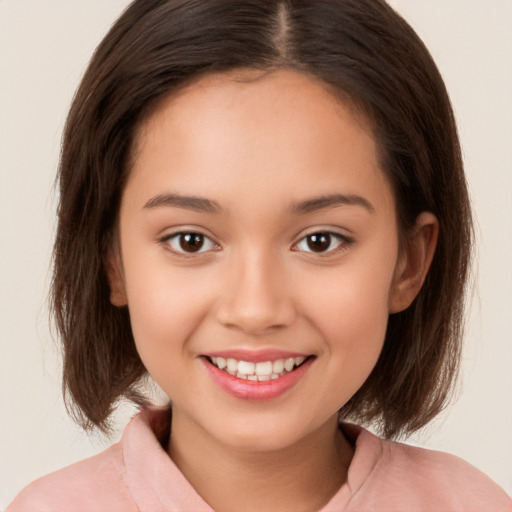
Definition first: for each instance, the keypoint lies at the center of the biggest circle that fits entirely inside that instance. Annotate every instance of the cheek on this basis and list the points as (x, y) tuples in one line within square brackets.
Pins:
[(353, 322), (353, 300), (166, 306), (349, 306), (352, 319)]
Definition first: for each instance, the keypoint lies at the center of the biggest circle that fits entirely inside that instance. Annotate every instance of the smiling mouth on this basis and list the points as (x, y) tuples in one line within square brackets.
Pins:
[(261, 371)]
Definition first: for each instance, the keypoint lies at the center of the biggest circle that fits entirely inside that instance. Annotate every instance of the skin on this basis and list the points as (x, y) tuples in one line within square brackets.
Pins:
[(257, 147)]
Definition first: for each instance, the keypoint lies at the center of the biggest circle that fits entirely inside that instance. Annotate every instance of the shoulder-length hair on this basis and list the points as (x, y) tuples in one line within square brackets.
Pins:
[(360, 48)]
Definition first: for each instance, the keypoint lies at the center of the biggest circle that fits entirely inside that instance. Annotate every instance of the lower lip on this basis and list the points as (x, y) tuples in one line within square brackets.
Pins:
[(253, 389)]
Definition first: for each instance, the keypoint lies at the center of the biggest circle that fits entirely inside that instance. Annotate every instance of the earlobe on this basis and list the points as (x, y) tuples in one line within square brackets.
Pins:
[(414, 263), (116, 279)]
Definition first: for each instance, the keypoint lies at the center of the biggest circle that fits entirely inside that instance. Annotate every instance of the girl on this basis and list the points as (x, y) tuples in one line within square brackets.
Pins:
[(263, 207)]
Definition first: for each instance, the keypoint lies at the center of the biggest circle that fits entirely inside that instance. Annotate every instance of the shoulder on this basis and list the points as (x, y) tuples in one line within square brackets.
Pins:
[(424, 479), (118, 479), (134, 474), (85, 485)]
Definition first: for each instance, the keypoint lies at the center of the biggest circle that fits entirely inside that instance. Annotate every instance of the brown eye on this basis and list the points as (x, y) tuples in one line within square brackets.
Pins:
[(319, 242), (322, 242), (189, 242)]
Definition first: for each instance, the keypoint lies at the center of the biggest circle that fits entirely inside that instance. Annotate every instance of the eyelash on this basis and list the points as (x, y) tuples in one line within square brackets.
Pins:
[(329, 236), (343, 242), (179, 237)]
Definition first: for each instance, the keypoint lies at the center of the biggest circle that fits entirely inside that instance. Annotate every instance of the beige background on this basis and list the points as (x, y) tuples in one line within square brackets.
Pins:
[(44, 48)]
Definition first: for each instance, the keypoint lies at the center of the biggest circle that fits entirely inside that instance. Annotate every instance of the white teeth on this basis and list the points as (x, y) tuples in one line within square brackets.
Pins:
[(246, 367), (278, 366), (232, 365), (262, 371), (289, 364)]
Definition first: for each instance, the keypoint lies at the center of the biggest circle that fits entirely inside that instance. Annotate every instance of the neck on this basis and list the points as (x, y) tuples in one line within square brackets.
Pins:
[(300, 478)]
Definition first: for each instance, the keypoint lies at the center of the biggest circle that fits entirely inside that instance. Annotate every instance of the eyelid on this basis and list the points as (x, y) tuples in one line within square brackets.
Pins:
[(345, 242), (165, 240)]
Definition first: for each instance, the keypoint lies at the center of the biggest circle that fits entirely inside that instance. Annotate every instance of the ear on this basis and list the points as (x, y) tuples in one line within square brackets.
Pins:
[(414, 262), (115, 276)]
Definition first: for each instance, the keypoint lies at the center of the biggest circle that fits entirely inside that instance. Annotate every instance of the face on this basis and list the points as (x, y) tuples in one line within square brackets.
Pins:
[(258, 256)]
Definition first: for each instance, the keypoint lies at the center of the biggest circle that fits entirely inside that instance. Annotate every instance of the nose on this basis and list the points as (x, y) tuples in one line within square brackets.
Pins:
[(256, 299)]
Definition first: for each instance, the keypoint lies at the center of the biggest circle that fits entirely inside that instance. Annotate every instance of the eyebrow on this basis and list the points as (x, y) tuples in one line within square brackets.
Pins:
[(314, 204), (199, 204), (329, 201)]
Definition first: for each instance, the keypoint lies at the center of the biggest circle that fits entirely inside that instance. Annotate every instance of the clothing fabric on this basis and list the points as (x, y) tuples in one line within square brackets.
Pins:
[(136, 474)]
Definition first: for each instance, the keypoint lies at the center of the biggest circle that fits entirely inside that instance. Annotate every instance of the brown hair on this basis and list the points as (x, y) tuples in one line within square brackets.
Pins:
[(361, 48)]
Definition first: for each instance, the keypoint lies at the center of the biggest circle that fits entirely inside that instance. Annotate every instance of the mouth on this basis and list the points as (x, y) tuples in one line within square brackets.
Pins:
[(265, 378), (260, 371)]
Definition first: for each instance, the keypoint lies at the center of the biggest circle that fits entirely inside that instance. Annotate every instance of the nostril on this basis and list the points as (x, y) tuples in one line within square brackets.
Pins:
[(255, 298), (255, 322)]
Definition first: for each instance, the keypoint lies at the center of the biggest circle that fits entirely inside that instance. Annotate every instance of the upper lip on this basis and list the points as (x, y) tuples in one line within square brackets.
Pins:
[(255, 356)]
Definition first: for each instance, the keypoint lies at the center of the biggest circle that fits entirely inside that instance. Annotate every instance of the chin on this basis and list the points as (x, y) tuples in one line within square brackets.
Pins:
[(260, 436)]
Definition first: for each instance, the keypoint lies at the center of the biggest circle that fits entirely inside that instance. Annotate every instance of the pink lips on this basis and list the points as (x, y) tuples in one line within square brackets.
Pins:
[(255, 390)]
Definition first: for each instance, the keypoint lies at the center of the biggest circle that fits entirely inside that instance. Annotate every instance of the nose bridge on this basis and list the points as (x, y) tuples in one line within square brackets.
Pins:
[(256, 298)]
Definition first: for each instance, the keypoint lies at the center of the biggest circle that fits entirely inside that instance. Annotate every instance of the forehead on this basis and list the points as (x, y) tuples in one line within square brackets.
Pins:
[(250, 130), (246, 91)]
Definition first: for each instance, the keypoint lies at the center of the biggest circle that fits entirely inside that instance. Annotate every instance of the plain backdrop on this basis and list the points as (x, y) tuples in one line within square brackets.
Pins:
[(44, 48)]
